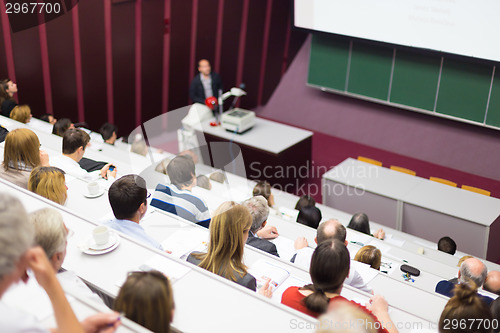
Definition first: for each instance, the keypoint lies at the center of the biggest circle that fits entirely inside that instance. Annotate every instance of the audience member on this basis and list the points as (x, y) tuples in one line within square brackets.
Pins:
[(7, 101), (447, 245), (21, 154), (128, 199), (162, 166), (203, 182), (50, 183), (109, 133), (329, 268), (139, 146), (3, 133), (51, 235), (360, 222), (304, 201), (369, 255), (328, 230), (228, 234), (21, 113), (74, 143), (218, 176), (495, 309), (257, 206), (465, 306), (16, 256), (310, 216), (147, 299), (177, 198), (492, 282), (61, 126), (264, 188), (461, 260), (471, 269), (205, 84), (47, 117)]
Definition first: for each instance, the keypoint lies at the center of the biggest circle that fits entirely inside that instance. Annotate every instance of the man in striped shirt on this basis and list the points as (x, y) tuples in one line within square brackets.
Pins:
[(177, 198)]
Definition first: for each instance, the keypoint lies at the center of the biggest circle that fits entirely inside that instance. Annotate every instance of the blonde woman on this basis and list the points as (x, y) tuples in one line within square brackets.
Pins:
[(228, 234), (22, 153), (49, 182), (147, 299), (369, 255), (21, 113)]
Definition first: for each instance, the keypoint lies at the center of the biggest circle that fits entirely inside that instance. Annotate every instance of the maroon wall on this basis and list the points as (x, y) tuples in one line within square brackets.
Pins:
[(136, 79)]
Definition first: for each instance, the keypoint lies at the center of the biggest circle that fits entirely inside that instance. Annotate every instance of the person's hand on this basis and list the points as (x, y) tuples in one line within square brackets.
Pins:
[(36, 260), (101, 323), (380, 234), (300, 243), (378, 305), (44, 158), (266, 290), (105, 173), (268, 232)]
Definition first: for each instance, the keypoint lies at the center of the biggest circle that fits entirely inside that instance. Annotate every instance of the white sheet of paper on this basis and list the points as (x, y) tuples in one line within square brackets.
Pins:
[(285, 247)]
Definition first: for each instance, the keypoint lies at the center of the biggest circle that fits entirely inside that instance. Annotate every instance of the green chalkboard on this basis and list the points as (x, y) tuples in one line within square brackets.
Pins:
[(370, 71), (428, 81), (415, 88), (328, 62), (464, 89), (493, 117)]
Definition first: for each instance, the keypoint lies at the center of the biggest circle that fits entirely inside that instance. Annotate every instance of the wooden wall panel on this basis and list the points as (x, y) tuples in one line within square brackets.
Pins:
[(93, 62)]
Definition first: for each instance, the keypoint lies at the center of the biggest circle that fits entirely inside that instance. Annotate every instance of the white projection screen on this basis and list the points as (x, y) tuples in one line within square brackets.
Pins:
[(463, 27)]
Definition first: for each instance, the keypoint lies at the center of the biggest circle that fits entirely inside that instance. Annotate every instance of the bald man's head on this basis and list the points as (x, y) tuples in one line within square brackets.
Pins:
[(473, 269), (492, 283), (329, 230)]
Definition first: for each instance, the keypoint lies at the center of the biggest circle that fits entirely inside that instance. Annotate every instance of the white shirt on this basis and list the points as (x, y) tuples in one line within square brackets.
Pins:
[(303, 259), (13, 320), (23, 305), (71, 167)]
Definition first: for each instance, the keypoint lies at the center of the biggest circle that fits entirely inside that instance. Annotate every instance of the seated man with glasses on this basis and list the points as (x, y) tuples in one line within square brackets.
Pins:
[(128, 199)]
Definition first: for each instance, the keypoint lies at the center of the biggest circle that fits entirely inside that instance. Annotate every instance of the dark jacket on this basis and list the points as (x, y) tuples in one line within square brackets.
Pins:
[(262, 244), (196, 91)]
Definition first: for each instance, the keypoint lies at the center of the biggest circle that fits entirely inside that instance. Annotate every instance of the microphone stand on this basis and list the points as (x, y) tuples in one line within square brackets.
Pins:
[(221, 108)]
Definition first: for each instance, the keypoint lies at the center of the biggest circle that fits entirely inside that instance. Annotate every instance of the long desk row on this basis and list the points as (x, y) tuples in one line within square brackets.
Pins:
[(195, 290), (238, 187), (416, 206)]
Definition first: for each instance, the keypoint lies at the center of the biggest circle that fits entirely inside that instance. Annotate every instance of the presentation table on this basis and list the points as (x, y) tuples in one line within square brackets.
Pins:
[(416, 206), (270, 150)]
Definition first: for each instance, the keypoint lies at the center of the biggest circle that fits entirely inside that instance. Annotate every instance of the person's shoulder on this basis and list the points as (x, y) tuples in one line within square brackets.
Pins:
[(260, 243), (192, 258), (444, 287), (249, 281), (291, 291)]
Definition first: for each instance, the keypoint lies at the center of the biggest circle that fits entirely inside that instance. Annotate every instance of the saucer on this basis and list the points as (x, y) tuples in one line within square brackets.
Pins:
[(86, 194), (90, 247)]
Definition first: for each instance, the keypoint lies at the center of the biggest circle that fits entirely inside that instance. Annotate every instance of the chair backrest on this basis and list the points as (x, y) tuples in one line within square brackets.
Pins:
[(475, 189), (443, 181), (369, 160), (404, 170)]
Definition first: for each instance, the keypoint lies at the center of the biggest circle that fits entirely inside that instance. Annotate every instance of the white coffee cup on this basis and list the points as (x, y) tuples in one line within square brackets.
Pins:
[(93, 188), (101, 235)]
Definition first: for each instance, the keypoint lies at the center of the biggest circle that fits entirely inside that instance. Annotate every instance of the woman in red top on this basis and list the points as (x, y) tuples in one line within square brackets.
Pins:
[(329, 268)]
